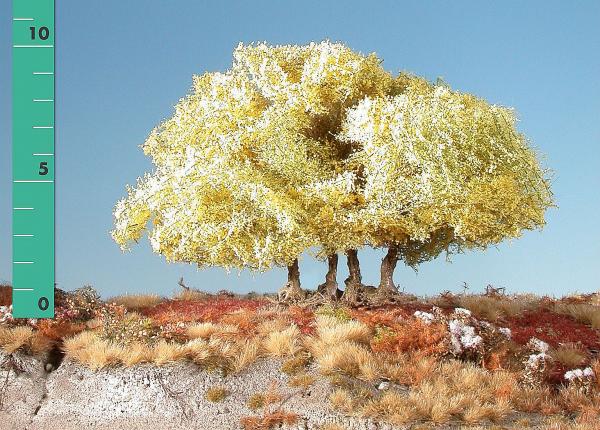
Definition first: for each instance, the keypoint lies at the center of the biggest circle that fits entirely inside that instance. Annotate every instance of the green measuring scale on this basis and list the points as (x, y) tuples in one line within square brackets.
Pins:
[(33, 158)]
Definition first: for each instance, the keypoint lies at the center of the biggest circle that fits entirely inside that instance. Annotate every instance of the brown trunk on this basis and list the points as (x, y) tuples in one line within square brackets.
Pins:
[(292, 291), (354, 280), (354, 276), (330, 287), (388, 265), (294, 276)]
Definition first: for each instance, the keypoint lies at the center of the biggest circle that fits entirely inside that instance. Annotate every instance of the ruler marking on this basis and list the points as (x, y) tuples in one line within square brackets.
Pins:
[(33, 260), (33, 46)]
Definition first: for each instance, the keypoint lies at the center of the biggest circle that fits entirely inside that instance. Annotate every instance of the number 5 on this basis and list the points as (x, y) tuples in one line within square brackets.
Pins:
[(43, 168)]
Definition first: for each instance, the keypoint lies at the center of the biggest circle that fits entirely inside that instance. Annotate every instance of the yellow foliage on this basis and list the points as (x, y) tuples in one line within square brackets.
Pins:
[(317, 146)]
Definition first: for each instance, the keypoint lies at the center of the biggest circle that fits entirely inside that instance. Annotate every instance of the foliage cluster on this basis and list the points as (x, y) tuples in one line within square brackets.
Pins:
[(318, 147)]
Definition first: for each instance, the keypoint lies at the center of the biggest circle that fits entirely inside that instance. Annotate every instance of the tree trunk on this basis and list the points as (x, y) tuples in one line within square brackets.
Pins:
[(388, 265), (354, 280), (294, 276), (354, 276), (292, 291), (330, 287)]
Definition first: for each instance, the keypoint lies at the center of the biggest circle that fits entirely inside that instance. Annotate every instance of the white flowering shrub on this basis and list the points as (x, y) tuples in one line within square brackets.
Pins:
[(468, 337), (426, 317), (536, 362), (6, 314), (581, 378), (463, 337), (505, 332)]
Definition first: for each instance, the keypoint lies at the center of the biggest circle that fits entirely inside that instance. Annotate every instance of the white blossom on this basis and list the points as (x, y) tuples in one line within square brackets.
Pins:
[(579, 374), (505, 331), (462, 312), (538, 345), (462, 336), (426, 317)]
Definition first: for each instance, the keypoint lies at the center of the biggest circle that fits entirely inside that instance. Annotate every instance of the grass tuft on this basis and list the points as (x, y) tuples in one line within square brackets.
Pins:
[(295, 365), (256, 401), (137, 301), (584, 313), (216, 394), (283, 343), (303, 380)]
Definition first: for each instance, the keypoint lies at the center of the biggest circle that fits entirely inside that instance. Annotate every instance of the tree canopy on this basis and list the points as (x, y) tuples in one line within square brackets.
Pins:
[(317, 147)]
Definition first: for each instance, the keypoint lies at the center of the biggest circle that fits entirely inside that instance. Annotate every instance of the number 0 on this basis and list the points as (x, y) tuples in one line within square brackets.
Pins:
[(43, 303)]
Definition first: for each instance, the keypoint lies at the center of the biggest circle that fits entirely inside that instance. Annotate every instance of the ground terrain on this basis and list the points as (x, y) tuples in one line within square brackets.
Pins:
[(224, 361)]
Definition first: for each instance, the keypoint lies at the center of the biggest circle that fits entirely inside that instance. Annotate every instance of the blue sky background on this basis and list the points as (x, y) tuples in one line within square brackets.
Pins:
[(122, 65)]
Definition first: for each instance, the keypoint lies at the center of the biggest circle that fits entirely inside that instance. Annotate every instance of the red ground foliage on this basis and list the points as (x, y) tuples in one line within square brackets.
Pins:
[(556, 373), (59, 329), (552, 328), (304, 318), (212, 309), (5, 295), (388, 314), (413, 336), (379, 316)]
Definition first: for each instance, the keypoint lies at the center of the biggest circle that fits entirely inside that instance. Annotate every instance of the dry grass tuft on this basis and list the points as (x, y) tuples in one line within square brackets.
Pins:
[(333, 332), (535, 399), (409, 369), (87, 348), (14, 339), (584, 313), (271, 325), (303, 380), (137, 301), (273, 416), (494, 412), (342, 400), (454, 390), (248, 352), (569, 355), (216, 394), (295, 365), (493, 308), (392, 407), (349, 358), (332, 426), (24, 339), (137, 353), (164, 352), (269, 420), (206, 330), (256, 401), (190, 295), (283, 343)]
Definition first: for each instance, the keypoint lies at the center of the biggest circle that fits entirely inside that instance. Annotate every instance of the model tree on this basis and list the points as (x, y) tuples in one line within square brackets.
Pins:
[(311, 88), (318, 147), (209, 199), (444, 171)]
